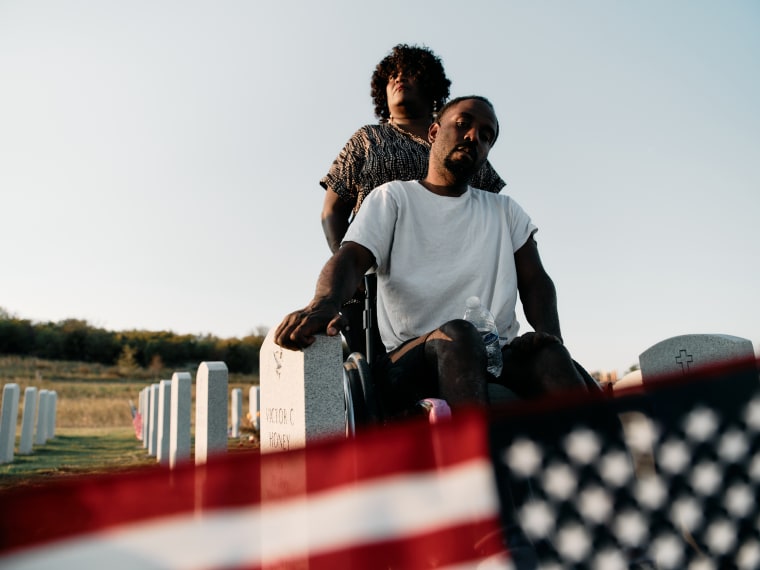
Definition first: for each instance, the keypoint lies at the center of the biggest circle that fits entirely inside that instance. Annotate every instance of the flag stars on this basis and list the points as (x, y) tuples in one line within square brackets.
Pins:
[(733, 446), (609, 560), (667, 550), (754, 468), (706, 478), (560, 481), (686, 513), (674, 456), (721, 537), (582, 446), (748, 555), (595, 505), (651, 492), (631, 528), (739, 500), (574, 542), (702, 564), (537, 519), (752, 415), (523, 457), (701, 424), (615, 468)]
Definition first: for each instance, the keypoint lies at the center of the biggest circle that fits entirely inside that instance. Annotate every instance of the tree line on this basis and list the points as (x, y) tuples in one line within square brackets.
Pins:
[(74, 339)]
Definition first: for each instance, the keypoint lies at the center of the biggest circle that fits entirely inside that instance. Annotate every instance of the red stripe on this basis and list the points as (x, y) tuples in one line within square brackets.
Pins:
[(86, 504)]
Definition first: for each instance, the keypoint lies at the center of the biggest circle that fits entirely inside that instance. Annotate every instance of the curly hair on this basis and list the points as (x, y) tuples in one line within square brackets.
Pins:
[(418, 62)]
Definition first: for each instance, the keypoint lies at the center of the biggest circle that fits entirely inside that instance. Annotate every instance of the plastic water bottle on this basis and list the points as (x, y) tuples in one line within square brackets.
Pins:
[(484, 321)]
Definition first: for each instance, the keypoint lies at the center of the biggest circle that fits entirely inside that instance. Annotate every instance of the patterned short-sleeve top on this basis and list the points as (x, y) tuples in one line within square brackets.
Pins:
[(377, 154)]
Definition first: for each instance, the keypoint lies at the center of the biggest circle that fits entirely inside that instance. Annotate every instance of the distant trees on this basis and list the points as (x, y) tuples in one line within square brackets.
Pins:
[(74, 339)]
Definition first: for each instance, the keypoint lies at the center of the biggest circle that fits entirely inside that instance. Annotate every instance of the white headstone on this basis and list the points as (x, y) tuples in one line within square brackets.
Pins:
[(8, 422), (179, 439), (27, 421), (301, 393), (254, 405), (681, 355), (153, 421), (40, 432), (52, 409), (164, 419), (236, 408), (211, 384)]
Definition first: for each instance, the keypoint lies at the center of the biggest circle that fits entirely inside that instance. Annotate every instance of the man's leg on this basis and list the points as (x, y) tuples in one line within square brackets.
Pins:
[(457, 353), (535, 365), (448, 363)]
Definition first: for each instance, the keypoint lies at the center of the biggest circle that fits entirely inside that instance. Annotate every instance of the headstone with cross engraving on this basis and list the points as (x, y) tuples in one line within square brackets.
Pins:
[(301, 393), (681, 355)]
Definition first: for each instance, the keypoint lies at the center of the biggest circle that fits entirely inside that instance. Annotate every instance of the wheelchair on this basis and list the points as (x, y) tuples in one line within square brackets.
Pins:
[(361, 403), (362, 408)]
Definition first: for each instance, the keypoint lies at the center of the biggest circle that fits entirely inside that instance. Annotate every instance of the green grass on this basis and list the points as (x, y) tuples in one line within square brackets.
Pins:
[(85, 451), (94, 430), (76, 451)]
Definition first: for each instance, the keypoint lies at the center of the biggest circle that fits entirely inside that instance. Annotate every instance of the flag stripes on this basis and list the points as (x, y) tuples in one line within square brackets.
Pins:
[(392, 498)]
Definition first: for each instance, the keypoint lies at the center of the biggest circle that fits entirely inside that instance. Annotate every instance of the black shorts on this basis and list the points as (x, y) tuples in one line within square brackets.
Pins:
[(400, 385)]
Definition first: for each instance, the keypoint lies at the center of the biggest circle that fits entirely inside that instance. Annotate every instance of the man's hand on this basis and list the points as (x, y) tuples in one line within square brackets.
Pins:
[(298, 329), (532, 341)]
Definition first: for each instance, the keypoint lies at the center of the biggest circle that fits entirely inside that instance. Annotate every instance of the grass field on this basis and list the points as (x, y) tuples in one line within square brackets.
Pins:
[(94, 430), (76, 451)]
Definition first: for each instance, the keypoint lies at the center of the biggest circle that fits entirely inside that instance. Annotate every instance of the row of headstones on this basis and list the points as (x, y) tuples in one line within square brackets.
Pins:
[(165, 414), (38, 404), (302, 396)]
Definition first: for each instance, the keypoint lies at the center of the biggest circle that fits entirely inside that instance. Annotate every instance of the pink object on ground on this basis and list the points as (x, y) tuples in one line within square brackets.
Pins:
[(436, 408)]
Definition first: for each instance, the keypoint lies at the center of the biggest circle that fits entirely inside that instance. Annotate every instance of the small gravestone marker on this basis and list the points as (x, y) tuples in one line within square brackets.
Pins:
[(153, 421), (164, 418), (27, 421), (301, 393), (236, 407), (52, 409), (179, 438), (40, 432), (211, 383), (254, 405), (141, 411), (8, 418)]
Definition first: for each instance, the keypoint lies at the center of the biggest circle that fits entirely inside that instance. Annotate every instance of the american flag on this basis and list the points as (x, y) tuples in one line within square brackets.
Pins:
[(663, 477)]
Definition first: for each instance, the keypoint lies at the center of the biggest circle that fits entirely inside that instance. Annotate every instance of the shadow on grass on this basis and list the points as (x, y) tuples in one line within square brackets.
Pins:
[(77, 451), (81, 451)]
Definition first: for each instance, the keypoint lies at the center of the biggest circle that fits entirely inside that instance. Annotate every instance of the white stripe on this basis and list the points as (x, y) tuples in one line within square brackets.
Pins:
[(382, 509)]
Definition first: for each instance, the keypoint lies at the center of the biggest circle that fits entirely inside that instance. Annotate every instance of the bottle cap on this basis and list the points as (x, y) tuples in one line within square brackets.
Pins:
[(472, 302)]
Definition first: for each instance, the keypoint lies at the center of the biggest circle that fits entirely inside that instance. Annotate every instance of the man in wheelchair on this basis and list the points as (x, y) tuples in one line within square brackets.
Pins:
[(434, 243)]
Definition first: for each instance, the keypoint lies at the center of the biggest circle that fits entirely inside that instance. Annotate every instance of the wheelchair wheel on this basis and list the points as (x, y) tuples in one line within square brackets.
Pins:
[(349, 395), (359, 394), (371, 407)]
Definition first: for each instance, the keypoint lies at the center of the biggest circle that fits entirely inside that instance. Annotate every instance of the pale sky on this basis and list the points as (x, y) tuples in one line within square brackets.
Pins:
[(159, 160)]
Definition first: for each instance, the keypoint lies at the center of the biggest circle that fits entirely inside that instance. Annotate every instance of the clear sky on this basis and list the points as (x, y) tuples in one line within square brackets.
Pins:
[(159, 161)]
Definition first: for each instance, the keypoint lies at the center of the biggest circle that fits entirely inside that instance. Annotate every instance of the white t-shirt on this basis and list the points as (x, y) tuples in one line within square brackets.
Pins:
[(433, 252)]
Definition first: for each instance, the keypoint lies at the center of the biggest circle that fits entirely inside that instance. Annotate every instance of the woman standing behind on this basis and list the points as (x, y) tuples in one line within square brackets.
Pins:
[(408, 87)]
